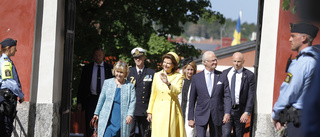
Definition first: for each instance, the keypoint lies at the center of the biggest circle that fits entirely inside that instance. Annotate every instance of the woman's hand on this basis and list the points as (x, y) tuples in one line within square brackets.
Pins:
[(128, 119), (163, 77), (96, 117), (149, 117)]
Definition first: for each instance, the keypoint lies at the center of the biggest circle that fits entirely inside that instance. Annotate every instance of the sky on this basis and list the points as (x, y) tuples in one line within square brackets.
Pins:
[(231, 9)]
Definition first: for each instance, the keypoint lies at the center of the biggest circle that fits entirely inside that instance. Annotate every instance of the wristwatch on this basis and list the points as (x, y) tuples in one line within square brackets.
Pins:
[(169, 84), (248, 113)]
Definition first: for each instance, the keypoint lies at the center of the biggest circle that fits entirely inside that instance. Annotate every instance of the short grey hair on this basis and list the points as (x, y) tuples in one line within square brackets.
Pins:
[(205, 54)]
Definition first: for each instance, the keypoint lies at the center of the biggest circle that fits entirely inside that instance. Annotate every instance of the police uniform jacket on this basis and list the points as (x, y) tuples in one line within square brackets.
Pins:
[(296, 83), (12, 82), (142, 87)]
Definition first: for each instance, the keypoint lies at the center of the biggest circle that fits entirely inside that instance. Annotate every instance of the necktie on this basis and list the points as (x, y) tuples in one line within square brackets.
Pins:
[(233, 85), (209, 83), (98, 89), (139, 72)]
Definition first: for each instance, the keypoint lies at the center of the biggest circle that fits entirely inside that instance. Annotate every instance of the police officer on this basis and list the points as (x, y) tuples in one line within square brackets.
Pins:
[(298, 79), (141, 76), (10, 87)]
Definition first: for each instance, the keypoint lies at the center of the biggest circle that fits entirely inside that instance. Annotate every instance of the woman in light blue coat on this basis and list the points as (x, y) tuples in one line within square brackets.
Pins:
[(116, 104)]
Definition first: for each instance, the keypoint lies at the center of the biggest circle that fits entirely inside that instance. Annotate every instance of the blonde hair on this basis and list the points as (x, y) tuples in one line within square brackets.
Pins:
[(122, 66), (193, 65), (5, 49)]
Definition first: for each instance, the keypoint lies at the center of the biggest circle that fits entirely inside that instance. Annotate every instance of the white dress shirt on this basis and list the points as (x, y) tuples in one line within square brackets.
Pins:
[(94, 77), (238, 83), (139, 69)]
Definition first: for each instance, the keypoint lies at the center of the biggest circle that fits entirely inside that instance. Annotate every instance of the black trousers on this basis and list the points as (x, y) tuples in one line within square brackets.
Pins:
[(90, 107), (6, 122), (142, 124), (238, 127)]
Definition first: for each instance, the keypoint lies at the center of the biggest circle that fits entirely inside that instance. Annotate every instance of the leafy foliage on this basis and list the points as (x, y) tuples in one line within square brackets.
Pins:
[(118, 26), (285, 5)]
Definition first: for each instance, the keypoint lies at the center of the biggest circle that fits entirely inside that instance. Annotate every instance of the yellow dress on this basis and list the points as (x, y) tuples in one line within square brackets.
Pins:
[(167, 120)]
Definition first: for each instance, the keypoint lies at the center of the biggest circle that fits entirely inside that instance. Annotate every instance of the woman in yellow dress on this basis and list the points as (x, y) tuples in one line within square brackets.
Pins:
[(164, 109)]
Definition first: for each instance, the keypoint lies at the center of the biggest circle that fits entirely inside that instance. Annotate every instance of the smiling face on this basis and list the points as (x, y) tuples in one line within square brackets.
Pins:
[(120, 74), (210, 61), (167, 65), (139, 60)]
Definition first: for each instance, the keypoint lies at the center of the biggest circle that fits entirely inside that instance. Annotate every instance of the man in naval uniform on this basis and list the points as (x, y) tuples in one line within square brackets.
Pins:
[(141, 76)]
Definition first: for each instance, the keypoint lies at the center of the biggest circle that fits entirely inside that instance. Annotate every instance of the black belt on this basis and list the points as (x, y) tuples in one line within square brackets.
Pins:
[(235, 106)]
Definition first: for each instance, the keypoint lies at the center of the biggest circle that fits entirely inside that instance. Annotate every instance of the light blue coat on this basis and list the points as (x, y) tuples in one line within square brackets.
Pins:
[(104, 105)]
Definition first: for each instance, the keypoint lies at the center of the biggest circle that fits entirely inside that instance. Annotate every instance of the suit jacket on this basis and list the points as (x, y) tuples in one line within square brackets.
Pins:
[(215, 106), (247, 89), (84, 90), (105, 103), (143, 88)]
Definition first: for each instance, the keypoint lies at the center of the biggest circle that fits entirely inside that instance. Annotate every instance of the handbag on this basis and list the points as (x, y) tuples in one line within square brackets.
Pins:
[(94, 125), (147, 131)]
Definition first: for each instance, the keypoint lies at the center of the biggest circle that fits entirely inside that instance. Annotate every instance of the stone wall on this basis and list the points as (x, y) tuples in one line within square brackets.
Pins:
[(263, 126), (37, 120), (21, 121)]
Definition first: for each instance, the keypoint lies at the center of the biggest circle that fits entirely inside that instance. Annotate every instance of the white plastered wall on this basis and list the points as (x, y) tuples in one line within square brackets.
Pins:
[(51, 54), (266, 69)]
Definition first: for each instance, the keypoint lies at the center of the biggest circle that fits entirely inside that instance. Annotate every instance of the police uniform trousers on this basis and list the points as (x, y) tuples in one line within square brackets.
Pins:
[(6, 122), (293, 131)]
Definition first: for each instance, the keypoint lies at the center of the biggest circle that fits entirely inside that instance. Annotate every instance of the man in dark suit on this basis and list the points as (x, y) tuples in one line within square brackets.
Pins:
[(242, 90), (211, 93), (92, 78), (141, 76)]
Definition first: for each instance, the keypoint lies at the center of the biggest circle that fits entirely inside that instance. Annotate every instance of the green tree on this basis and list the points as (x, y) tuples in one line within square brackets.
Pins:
[(285, 5), (121, 25)]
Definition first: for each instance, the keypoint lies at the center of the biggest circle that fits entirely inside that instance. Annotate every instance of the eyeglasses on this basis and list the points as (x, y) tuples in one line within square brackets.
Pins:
[(212, 61)]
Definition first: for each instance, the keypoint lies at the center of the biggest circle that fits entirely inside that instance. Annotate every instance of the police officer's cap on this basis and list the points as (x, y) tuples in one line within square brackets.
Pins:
[(137, 52), (8, 42), (305, 28)]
